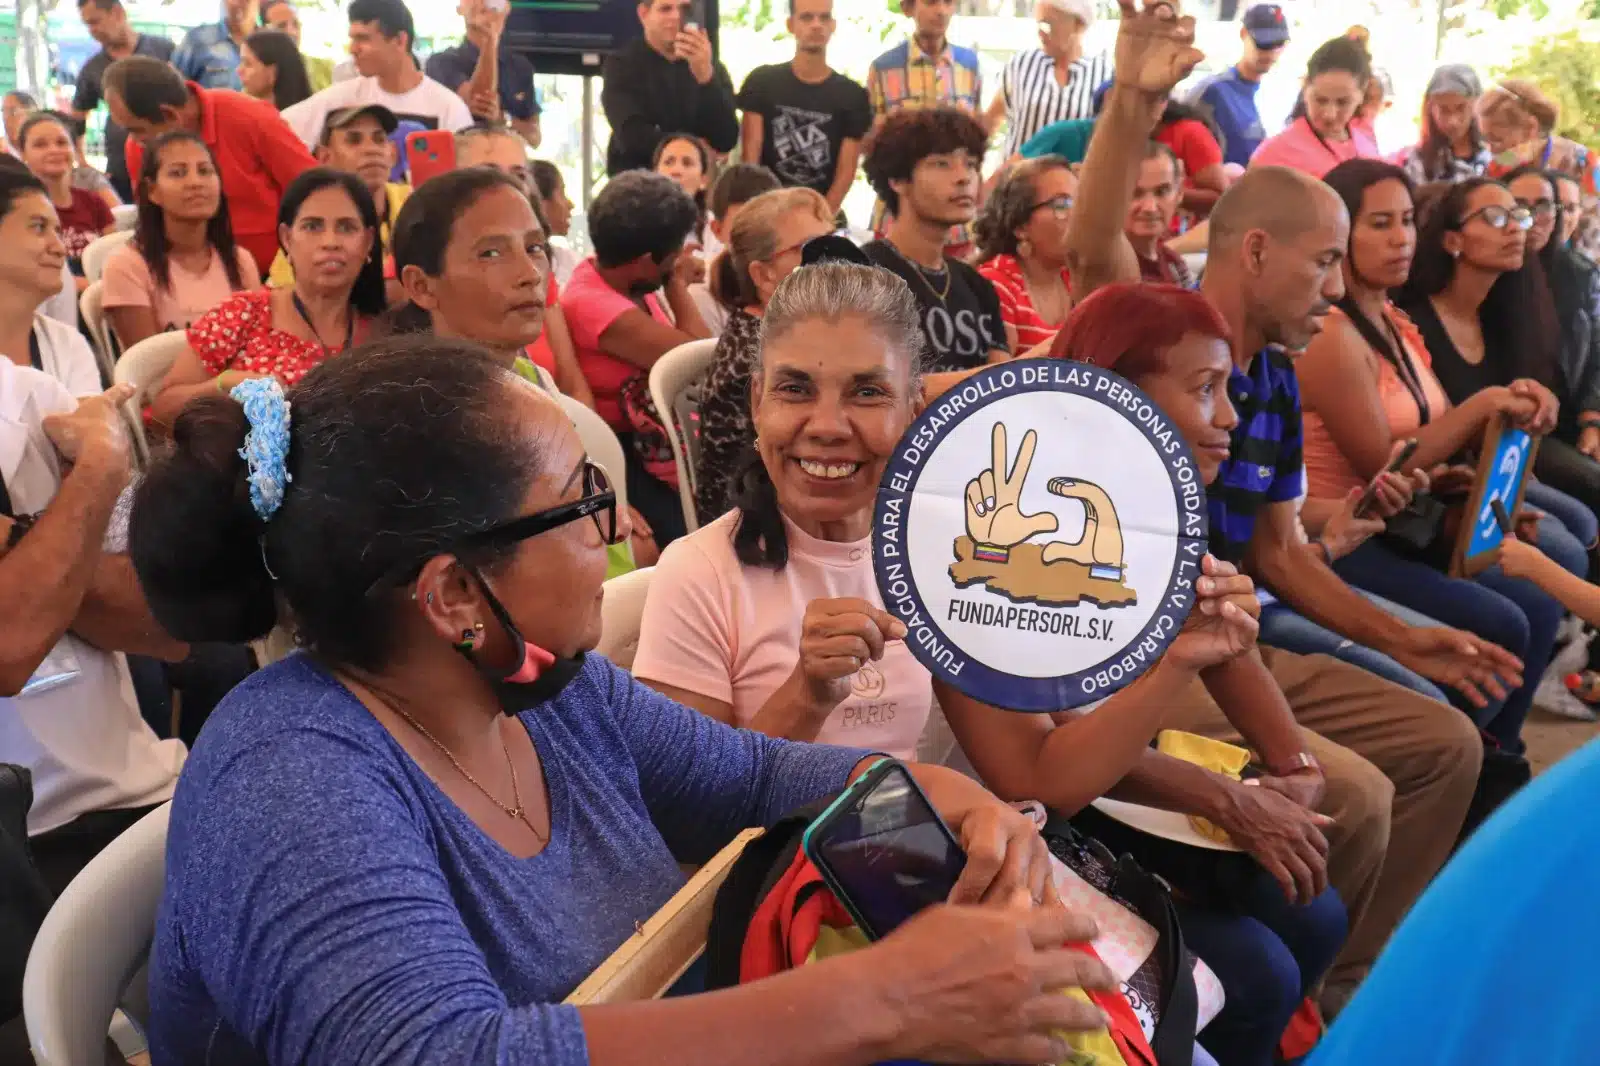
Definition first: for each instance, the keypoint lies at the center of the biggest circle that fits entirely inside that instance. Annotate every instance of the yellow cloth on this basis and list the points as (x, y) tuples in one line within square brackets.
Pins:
[(281, 276), (1215, 755)]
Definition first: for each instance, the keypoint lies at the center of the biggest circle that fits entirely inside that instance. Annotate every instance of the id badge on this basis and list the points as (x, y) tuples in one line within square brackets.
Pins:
[(59, 668)]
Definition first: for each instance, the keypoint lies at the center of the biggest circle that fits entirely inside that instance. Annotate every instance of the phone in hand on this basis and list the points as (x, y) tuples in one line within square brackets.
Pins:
[(1403, 456), (1502, 517), (430, 153), (695, 17), (884, 850)]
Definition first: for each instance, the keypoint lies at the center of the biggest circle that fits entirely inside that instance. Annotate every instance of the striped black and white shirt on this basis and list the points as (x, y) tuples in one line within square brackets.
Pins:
[(1034, 100)]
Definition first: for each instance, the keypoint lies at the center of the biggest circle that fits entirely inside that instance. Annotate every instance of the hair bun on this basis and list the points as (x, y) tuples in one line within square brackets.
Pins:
[(194, 538)]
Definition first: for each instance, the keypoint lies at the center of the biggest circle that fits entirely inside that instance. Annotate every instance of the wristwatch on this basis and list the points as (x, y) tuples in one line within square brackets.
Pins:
[(1294, 764), (20, 524)]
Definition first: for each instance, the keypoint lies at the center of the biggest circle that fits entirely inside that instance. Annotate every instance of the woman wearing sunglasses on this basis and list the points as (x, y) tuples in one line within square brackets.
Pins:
[(1022, 246), (412, 840), (764, 247)]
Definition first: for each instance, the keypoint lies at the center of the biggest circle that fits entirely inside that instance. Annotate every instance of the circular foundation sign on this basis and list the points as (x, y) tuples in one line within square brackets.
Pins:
[(1039, 530)]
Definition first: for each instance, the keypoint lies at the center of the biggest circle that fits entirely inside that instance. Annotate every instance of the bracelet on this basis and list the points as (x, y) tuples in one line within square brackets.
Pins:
[(220, 386), (1589, 420)]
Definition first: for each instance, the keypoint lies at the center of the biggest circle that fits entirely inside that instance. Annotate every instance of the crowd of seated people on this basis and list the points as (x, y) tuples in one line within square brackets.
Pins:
[(352, 345)]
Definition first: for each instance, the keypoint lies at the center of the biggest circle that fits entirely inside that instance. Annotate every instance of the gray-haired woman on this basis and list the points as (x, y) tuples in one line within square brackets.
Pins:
[(1022, 243)]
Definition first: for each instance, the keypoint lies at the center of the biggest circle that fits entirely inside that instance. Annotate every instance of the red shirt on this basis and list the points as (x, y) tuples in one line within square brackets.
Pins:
[(257, 155), (1193, 144), (238, 334), (1016, 306), (87, 218)]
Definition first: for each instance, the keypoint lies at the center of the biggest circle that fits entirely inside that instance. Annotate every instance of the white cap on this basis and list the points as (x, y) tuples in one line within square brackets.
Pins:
[(1082, 10)]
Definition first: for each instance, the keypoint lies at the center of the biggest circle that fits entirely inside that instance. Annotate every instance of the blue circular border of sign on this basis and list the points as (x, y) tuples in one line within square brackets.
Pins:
[(977, 679)]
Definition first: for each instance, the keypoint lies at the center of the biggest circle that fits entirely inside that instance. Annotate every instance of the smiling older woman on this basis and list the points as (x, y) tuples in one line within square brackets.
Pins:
[(770, 618)]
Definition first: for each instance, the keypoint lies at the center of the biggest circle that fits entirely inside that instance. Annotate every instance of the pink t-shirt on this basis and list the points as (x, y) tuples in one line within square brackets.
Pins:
[(590, 307), (1299, 148), (127, 282), (732, 632)]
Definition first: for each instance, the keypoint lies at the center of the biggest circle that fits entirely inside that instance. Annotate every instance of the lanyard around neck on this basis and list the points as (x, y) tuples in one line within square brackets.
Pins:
[(349, 325)]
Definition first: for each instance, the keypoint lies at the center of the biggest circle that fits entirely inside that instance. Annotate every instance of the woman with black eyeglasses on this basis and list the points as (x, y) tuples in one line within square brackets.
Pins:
[(412, 840), (1022, 248)]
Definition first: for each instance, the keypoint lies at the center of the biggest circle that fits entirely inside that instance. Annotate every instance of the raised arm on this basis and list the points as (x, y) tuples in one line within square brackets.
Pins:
[(1155, 51)]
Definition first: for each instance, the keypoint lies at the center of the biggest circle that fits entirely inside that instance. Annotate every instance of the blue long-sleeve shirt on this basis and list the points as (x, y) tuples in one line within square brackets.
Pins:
[(326, 904)]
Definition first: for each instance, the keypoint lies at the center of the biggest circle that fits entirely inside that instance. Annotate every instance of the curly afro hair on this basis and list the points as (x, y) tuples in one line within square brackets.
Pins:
[(908, 137)]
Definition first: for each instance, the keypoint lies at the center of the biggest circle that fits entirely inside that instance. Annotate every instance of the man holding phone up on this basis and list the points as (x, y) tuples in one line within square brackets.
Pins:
[(496, 83), (668, 81)]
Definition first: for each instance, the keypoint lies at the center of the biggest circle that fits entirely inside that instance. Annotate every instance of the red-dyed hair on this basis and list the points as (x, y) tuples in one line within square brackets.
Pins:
[(1128, 327)]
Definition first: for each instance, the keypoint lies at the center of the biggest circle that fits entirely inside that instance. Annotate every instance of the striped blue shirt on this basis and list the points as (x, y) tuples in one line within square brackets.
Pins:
[(1266, 463)]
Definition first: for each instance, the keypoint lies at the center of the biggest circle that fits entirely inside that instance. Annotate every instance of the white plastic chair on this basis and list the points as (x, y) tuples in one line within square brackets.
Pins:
[(92, 306), (126, 216), (143, 366), (602, 445), (673, 373), (100, 249), (1196, 262), (93, 946), (621, 611)]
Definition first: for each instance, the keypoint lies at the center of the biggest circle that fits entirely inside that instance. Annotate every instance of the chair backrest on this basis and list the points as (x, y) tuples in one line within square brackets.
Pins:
[(93, 944), (92, 306), (601, 442), (662, 949), (673, 373), (143, 366), (126, 216), (100, 249), (621, 610)]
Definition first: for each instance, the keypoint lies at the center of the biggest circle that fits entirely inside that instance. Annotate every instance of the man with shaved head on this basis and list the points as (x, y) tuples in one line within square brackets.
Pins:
[(1395, 769)]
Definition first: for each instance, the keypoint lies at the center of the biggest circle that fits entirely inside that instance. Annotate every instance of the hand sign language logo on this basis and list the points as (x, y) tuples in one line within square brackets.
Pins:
[(995, 521), (998, 553)]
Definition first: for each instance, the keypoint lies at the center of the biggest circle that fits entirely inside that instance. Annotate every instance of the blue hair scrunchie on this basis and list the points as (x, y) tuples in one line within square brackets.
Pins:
[(266, 446)]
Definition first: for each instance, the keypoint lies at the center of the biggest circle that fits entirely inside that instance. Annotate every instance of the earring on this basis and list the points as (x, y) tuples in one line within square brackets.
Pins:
[(469, 638), (1024, 248)]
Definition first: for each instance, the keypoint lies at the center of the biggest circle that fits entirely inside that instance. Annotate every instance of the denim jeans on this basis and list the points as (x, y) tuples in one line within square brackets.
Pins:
[(1513, 613), (1283, 627), (1569, 510), (1268, 956)]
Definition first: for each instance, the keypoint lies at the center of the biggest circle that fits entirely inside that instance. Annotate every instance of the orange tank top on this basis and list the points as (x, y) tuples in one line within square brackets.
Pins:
[(1328, 473)]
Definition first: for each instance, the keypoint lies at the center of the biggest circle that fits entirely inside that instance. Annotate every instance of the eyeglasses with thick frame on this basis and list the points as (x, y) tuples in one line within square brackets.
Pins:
[(1539, 208), (1498, 217), (598, 503)]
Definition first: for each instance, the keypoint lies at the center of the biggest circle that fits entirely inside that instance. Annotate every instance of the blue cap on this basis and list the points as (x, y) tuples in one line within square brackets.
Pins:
[(1267, 26)]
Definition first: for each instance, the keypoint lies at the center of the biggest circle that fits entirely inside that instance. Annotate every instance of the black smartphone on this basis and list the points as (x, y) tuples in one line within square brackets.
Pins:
[(1502, 517), (1400, 459), (884, 850), (695, 17)]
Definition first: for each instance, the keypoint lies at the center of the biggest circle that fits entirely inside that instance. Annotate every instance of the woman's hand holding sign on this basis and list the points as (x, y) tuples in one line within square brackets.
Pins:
[(1224, 622)]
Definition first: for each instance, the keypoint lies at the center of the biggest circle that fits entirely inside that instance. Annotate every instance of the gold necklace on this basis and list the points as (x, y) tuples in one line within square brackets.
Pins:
[(517, 812), (923, 274)]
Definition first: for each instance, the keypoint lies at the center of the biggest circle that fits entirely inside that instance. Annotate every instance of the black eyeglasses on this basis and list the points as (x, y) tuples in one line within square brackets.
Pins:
[(1518, 217), (1539, 208), (1060, 206), (598, 503)]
